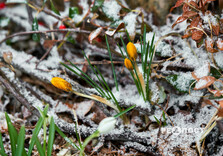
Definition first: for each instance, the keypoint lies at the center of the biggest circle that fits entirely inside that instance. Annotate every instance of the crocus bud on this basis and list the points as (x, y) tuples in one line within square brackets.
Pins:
[(128, 64), (61, 84), (107, 125), (131, 49)]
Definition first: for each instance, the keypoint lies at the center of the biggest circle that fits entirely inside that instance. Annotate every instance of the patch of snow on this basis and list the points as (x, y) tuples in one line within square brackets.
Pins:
[(112, 9), (130, 22)]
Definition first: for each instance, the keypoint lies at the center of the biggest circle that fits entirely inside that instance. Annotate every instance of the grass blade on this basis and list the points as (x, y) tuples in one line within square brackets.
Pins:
[(2, 153), (66, 138), (39, 148), (121, 51), (13, 135), (125, 111), (35, 134), (113, 97), (113, 68), (13, 138), (87, 79), (127, 33), (51, 137), (20, 142), (109, 97), (1, 143)]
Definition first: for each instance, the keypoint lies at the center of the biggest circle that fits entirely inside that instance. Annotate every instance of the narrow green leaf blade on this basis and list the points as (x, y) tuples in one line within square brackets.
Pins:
[(73, 11), (35, 134), (54, 9), (66, 138), (125, 111), (1, 143), (35, 27), (113, 68), (2, 153), (20, 141), (51, 137), (39, 148)]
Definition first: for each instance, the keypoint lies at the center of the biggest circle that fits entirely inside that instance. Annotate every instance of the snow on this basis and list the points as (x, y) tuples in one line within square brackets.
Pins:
[(130, 22), (112, 9), (202, 70), (131, 96), (201, 83)]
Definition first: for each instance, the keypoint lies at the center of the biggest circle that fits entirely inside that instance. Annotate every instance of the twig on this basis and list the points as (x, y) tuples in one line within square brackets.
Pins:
[(44, 32), (48, 51), (13, 90), (96, 62)]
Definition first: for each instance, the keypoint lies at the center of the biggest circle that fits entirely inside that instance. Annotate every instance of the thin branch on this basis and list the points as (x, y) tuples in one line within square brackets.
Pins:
[(44, 32), (13, 90)]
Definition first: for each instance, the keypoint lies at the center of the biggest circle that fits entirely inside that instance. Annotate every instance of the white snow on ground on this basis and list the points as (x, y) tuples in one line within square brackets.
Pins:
[(111, 8), (198, 60)]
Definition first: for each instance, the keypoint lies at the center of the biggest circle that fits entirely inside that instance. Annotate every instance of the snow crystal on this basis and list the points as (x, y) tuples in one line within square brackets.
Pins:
[(130, 95), (218, 58), (202, 70), (112, 9), (201, 83), (220, 43), (165, 49), (130, 23)]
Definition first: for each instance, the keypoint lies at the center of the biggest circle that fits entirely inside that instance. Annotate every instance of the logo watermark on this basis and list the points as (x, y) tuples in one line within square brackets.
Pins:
[(178, 130)]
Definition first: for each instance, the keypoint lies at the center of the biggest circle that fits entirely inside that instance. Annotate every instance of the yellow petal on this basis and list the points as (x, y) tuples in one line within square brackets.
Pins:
[(128, 64), (132, 52), (61, 84)]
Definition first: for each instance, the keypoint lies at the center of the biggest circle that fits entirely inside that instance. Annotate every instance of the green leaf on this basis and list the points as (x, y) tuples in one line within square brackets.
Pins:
[(71, 39), (16, 1), (20, 142), (180, 82), (73, 11), (51, 137), (2, 153), (97, 5), (156, 120), (13, 135), (1, 143), (113, 68), (125, 111), (35, 134), (215, 73), (54, 9), (13, 138), (39, 148), (35, 27), (4, 21), (66, 138)]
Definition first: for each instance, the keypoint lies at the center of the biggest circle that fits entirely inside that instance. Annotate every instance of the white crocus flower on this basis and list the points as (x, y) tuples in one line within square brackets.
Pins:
[(107, 125)]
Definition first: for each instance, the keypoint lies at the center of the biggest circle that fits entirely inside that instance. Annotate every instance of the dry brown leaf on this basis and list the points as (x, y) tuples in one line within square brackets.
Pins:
[(49, 43), (221, 103), (178, 3), (216, 93), (221, 25), (179, 20), (209, 44), (111, 33), (84, 107), (189, 14), (197, 35), (7, 56), (94, 34), (194, 4), (216, 28), (220, 44), (204, 82)]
